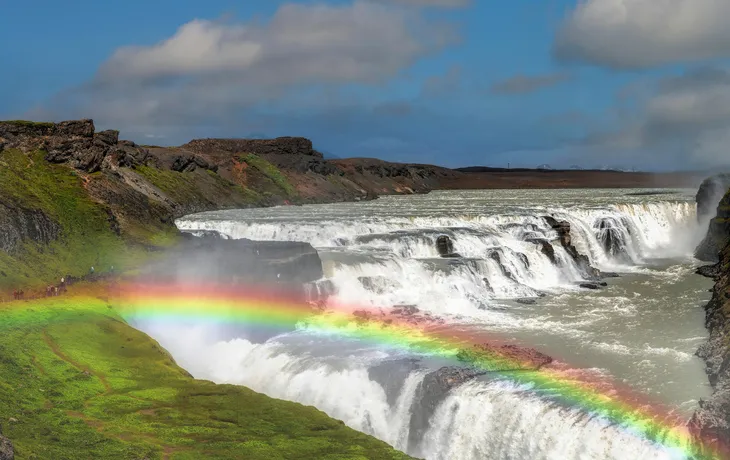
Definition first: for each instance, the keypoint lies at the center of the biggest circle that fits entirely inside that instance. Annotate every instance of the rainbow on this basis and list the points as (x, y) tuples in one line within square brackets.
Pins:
[(238, 305)]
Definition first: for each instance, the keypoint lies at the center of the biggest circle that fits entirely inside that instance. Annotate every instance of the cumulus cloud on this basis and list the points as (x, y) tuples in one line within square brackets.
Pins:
[(626, 34), (521, 84), (685, 120), (213, 70)]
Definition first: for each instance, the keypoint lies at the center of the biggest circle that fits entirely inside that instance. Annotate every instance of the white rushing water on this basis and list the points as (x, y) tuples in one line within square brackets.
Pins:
[(642, 329)]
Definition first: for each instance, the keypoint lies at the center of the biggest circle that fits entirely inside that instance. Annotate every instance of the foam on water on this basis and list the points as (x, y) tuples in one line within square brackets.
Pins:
[(383, 253)]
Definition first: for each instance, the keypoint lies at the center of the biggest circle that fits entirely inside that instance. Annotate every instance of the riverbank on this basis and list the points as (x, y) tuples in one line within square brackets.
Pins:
[(78, 382)]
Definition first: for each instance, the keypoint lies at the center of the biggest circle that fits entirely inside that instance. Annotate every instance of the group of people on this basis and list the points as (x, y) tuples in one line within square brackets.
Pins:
[(51, 290)]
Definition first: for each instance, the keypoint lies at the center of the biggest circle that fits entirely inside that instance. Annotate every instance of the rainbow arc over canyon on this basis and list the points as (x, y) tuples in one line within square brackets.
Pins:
[(224, 304)]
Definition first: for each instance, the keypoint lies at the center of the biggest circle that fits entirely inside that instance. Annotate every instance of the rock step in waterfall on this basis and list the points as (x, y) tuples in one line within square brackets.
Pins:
[(610, 234)]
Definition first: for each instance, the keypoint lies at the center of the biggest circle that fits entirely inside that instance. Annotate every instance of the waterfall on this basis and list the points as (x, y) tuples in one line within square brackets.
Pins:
[(384, 253)]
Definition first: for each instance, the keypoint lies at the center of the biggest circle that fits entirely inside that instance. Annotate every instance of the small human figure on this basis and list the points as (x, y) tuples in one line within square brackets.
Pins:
[(15, 294)]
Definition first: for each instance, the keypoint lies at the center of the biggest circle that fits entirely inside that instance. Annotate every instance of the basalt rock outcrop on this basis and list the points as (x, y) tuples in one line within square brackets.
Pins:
[(74, 143), (19, 224), (711, 423), (445, 247), (566, 241)]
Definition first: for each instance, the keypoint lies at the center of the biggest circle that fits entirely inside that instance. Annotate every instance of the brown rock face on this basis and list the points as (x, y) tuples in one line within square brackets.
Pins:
[(563, 230), (280, 145), (72, 142), (18, 224)]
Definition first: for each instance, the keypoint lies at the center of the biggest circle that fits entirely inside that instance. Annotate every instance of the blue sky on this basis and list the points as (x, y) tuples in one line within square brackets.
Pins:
[(453, 82)]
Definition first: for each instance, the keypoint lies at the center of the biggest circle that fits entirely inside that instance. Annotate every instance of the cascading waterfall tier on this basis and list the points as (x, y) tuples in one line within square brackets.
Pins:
[(502, 256), (384, 254)]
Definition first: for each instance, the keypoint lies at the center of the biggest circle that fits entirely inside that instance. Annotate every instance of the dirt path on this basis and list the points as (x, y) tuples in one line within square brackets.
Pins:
[(100, 425), (57, 351)]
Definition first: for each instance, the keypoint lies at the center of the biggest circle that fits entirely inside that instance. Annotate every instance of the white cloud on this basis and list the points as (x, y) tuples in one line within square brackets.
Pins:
[(361, 42), (644, 33), (214, 71)]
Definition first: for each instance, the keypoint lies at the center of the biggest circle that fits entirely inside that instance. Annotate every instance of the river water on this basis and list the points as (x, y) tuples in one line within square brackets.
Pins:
[(641, 330)]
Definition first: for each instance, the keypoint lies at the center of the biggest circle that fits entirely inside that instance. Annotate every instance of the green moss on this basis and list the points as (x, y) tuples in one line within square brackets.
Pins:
[(271, 172), (81, 383), (86, 238), (198, 187)]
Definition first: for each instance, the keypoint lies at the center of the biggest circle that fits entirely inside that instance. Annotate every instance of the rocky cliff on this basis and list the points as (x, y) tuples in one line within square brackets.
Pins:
[(72, 198), (711, 423)]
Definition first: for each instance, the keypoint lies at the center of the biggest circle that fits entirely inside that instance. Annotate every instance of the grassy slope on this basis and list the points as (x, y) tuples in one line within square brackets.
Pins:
[(278, 181), (86, 239), (81, 384), (199, 187)]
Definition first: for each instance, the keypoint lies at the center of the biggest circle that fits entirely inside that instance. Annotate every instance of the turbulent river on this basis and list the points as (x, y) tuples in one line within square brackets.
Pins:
[(641, 330)]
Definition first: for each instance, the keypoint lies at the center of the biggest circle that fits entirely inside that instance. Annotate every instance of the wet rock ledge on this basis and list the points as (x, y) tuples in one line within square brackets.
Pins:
[(711, 423)]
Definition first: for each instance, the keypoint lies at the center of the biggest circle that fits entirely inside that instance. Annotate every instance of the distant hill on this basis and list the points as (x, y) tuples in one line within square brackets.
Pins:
[(540, 169)]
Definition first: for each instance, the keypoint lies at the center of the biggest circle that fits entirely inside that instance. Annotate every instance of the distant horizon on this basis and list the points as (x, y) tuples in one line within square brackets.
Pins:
[(330, 156)]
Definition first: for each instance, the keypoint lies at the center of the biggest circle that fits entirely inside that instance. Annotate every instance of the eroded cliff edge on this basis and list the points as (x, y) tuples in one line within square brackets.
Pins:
[(72, 198), (711, 423)]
